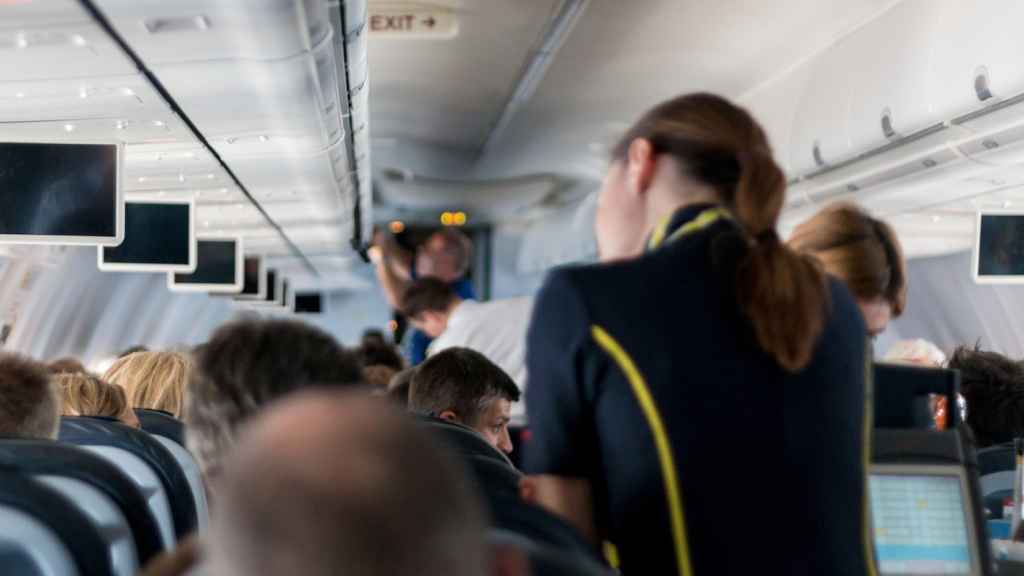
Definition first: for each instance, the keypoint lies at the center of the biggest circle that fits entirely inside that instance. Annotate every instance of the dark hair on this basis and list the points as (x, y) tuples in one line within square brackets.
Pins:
[(719, 145), (29, 400), (66, 365), (132, 350), (860, 250), (374, 354), (993, 386), (461, 380), (427, 295), (373, 336), (398, 388), (247, 364)]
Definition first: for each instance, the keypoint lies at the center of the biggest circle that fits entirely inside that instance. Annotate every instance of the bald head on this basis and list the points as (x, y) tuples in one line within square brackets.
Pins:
[(331, 483)]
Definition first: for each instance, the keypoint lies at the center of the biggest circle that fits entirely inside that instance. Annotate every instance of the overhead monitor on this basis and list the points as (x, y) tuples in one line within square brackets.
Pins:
[(287, 297), (254, 284), (67, 193), (309, 303), (999, 248), (219, 268), (159, 236), (272, 295), (922, 520), (903, 395)]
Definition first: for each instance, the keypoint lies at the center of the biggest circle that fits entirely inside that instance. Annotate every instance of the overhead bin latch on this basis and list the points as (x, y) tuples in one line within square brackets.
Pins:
[(816, 152), (981, 84), (887, 128)]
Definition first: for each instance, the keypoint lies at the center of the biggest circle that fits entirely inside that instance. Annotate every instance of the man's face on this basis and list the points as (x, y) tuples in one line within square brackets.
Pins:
[(493, 424), (431, 323), (434, 261)]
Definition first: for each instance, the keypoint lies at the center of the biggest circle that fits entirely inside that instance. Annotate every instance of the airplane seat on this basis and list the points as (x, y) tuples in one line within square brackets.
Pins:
[(170, 432), (493, 477), (463, 439), (160, 423), (920, 479), (46, 531), (126, 447), (55, 461), (997, 467), (514, 516)]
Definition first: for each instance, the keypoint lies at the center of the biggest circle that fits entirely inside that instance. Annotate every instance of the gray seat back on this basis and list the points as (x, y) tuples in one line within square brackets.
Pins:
[(148, 483), (106, 516), (29, 547), (195, 478)]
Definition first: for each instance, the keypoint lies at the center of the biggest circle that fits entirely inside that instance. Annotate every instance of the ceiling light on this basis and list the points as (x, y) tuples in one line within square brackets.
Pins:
[(264, 138), (21, 41), (121, 124), (1007, 204), (181, 177), (161, 193), (127, 91), (78, 40), (189, 154), (142, 179), (69, 127), (206, 224), (223, 190), (19, 95), (211, 176), (936, 218), (158, 123), (83, 93)]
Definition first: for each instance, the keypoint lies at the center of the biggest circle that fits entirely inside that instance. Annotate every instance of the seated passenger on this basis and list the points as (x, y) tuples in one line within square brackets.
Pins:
[(398, 388), (247, 364), (374, 350), (864, 253), (463, 386), (496, 329), (30, 402), (993, 388), (378, 377), (87, 395), (66, 366), (922, 353), (446, 255), (359, 491), (701, 351), (153, 380)]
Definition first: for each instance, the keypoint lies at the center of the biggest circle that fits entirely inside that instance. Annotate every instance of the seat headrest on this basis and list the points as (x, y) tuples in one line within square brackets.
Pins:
[(51, 508), (54, 458), (85, 431), (161, 423)]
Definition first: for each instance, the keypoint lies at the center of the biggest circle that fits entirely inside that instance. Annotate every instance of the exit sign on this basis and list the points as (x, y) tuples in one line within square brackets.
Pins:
[(411, 21)]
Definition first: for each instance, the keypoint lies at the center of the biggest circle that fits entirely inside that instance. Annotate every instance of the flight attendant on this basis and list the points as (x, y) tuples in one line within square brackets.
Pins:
[(697, 400)]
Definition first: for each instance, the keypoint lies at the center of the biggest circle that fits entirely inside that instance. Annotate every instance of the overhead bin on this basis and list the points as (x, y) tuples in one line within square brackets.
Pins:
[(889, 95), (126, 97), (976, 56), (820, 134), (178, 31)]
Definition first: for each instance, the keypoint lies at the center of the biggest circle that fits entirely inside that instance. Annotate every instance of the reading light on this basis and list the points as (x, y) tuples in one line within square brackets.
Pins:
[(447, 219), (78, 40), (397, 227), (459, 218), (69, 127), (158, 123), (127, 91), (83, 93), (121, 124)]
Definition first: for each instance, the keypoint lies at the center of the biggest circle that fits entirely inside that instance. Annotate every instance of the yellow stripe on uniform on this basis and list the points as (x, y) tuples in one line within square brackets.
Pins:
[(703, 220), (869, 422), (661, 442)]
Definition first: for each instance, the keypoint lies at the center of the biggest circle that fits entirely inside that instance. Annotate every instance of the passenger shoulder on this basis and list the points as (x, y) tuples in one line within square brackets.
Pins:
[(843, 307)]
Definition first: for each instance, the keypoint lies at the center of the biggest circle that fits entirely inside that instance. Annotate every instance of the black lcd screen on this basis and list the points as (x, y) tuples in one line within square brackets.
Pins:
[(1001, 245), (271, 286), (215, 264), (284, 293), (58, 189), (153, 234), (308, 303), (251, 281)]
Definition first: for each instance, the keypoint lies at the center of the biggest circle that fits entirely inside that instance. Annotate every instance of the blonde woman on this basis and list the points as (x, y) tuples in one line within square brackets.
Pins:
[(153, 380), (87, 395)]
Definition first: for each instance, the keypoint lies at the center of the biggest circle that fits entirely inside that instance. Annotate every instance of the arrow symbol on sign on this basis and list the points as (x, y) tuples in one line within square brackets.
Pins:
[(430, 22)]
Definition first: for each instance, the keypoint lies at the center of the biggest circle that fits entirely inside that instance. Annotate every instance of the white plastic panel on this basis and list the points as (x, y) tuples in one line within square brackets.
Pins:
[(972, 36), (248, 108), (41, 13), (95, 129), (105, 515), (57, 51), (202, 30), (896, 81), (311, 174), (774, 106), (127, 97)]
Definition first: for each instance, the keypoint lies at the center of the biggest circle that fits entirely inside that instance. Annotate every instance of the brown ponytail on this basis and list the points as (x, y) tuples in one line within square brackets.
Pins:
[(784, 294)]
